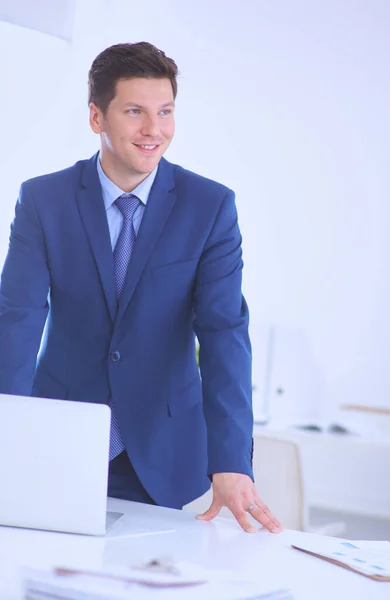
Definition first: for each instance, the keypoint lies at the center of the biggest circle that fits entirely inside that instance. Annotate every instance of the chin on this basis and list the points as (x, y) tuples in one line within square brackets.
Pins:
[(148, 166)]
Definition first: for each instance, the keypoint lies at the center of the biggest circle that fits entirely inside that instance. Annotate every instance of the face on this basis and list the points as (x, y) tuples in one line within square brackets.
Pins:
[(137, 127)]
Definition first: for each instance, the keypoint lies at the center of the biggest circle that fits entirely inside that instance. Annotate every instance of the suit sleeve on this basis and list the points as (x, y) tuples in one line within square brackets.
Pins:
[(24, 287), (221, 326)]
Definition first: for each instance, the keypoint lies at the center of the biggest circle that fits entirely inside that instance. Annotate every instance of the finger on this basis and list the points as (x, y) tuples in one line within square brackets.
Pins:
[(243, 519), (211, 512), (267, 511), (262, 517)]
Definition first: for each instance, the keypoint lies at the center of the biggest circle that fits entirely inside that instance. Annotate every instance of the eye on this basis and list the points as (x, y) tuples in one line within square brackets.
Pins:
[(133, 111), (165, 112)]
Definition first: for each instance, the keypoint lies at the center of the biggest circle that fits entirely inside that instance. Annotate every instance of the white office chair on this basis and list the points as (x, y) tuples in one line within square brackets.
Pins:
[(277, 466), (279, 480)]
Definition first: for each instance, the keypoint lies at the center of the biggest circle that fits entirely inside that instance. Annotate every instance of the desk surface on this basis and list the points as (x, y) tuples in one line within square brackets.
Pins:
[(219, 544)]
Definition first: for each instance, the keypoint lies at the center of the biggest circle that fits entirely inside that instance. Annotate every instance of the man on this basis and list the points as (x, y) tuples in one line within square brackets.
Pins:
[(126, 257)]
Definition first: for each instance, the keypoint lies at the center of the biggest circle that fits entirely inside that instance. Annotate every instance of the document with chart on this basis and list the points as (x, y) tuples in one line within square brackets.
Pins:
[(368, 558)]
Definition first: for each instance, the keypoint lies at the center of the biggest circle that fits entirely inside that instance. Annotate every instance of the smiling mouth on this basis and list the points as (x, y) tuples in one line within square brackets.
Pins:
[(147, 148)]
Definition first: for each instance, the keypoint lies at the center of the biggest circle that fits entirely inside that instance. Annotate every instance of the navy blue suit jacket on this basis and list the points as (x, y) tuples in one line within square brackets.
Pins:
[(184, 278)]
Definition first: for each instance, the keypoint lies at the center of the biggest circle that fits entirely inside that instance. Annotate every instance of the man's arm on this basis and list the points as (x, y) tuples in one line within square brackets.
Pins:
[(221, 326), (24, 287)]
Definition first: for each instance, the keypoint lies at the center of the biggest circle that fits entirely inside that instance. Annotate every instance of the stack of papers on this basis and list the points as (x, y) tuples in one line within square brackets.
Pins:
[(188, 582), (368, 558)]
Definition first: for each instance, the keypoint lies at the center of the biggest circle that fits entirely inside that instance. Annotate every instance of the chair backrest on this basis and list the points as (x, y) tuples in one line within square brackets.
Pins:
[(278, 478)]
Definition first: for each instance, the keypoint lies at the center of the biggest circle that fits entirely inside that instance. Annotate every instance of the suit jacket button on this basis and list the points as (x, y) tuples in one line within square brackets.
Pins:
[(115, 356)]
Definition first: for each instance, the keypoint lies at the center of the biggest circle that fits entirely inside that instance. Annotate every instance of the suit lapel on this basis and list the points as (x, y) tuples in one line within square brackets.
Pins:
[(93, 214), (160, 203)]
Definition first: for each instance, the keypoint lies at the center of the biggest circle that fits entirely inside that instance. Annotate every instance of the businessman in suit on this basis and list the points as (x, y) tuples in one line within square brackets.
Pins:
[(125, 257)]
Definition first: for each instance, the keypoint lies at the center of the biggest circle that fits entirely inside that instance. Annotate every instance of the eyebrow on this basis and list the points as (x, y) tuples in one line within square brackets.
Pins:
[(171, 103)]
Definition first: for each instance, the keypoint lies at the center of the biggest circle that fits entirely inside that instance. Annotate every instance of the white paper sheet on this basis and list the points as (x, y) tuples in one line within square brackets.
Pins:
[(217, 585)]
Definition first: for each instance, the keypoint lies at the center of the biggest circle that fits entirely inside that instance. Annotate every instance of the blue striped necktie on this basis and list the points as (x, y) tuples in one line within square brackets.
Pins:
[(127, 204)]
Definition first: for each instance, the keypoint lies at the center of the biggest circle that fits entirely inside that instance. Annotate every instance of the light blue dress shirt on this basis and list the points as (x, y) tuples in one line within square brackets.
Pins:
[(111, 192)]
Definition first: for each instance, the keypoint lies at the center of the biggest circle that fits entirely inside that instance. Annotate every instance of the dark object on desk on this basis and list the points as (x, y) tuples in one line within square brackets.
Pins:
[(309, 427), (339, 429), (332, 428)]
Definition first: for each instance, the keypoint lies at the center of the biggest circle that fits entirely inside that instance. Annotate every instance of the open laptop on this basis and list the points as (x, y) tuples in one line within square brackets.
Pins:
[(54, 465)]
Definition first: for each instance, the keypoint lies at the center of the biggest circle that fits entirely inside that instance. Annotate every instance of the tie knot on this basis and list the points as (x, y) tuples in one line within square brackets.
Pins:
[(127, 204)]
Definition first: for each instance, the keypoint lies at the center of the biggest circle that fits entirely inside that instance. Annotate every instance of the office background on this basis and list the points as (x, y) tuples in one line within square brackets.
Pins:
[(287, 102)]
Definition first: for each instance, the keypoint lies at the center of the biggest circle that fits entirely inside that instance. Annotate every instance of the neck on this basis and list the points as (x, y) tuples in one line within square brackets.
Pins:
[(126, 180)]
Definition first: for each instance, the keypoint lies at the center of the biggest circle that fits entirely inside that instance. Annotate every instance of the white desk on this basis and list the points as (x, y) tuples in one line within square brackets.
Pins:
[(219, 544)]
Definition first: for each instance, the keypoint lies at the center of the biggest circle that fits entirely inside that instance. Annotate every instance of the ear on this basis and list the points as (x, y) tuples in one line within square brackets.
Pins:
[(95, 118)]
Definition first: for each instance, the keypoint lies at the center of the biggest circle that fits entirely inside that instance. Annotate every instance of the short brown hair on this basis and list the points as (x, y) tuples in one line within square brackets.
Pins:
[(125, 61)]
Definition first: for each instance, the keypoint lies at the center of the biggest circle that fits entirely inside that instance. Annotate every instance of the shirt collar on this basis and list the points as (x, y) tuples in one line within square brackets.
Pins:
[(111, 191)]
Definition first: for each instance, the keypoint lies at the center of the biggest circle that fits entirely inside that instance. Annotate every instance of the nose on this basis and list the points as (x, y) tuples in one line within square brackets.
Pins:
[(150, 126)]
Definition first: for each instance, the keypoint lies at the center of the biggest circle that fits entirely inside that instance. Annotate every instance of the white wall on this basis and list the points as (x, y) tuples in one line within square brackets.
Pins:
[(287, 103)]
